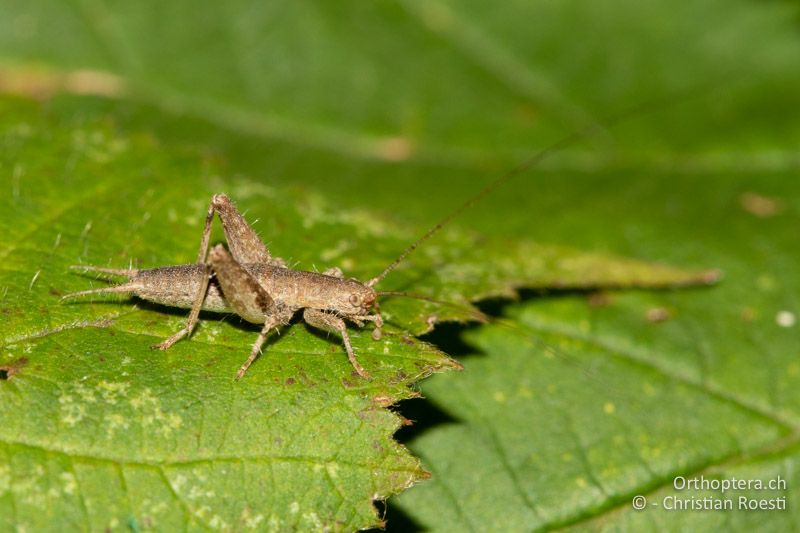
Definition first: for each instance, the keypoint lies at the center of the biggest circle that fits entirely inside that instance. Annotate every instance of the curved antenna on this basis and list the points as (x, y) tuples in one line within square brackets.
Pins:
[(474, 199), (532, 161)]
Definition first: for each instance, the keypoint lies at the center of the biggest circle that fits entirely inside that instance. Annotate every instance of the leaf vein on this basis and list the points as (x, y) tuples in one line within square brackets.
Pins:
[(631, 357)]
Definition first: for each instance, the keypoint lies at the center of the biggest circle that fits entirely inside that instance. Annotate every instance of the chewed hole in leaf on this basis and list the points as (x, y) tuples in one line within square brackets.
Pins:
[(10, 370)]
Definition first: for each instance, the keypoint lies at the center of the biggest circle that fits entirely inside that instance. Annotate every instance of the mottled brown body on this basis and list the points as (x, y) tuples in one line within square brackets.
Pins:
[(177, 286), (250, 282)]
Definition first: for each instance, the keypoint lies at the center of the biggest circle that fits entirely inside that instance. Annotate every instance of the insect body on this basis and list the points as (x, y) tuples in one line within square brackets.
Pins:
[(250, 282)]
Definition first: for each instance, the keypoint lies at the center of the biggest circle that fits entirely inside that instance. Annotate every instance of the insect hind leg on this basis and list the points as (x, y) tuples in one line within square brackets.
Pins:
[(245, 247), (194, 316), (243, 242)]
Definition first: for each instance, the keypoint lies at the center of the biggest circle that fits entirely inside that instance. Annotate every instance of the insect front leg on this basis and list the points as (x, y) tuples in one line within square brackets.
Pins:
[(248, 299), (336, 272), (376, 318), (334, 324)]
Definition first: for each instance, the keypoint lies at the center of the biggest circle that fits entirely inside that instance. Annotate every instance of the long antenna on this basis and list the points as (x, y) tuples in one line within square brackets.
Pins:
[(534, 160)]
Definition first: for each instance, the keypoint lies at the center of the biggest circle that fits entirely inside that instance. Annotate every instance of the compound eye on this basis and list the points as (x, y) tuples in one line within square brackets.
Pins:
[(355, 300)]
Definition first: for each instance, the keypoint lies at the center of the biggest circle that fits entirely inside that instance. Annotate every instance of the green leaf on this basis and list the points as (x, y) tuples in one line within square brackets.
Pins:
[(99, 431), (571, 440), (113, 432), (132, 434)]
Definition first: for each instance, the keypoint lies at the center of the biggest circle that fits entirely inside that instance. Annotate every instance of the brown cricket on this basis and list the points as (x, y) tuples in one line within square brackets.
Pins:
[(247, 280)]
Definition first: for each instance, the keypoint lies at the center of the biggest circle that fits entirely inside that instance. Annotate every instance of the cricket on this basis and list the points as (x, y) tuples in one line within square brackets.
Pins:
[(247, 280)]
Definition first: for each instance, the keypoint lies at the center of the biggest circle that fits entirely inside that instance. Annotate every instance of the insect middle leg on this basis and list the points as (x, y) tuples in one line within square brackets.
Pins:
[(245, 245)]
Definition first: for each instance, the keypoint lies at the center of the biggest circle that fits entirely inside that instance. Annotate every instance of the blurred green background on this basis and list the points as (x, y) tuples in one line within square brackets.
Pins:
[(407, 107)]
